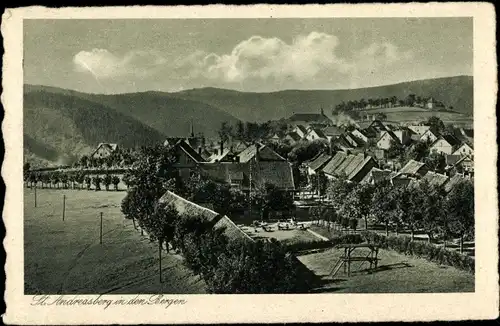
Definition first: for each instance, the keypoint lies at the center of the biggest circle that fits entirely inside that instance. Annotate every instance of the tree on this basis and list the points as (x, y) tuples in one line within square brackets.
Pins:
[(268, 197), (115, 181), (97, 182), (240, 130), (436, 124), (338, 191), (395, 150), (161, 223), (433, 214), (460, 208), (319, 183), (384, 205), (225, 131), (436, 162), (410, 202), (127, 179), (306, 150), (88, 182), (107, 180)]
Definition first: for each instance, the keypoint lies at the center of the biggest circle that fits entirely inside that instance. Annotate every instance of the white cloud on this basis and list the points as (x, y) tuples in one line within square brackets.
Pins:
[(104, 64), (307, 60)]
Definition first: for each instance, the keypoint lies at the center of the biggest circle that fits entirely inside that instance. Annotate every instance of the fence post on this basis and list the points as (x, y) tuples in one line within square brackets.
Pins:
[(64, 207), (35, 195), (159, 255), (100, 234)]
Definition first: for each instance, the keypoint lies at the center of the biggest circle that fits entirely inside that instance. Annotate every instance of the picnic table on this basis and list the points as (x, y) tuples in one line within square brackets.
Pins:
[(347, 258)]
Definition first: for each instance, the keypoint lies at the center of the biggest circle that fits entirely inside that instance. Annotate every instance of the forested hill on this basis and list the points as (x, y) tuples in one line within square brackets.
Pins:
[(452, 91)]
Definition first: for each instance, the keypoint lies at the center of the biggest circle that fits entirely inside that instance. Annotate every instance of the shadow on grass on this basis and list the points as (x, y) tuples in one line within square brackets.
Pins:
[(383, 268)]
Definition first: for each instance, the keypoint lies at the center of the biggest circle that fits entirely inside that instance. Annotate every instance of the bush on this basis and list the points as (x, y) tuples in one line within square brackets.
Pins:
[(419, 249)]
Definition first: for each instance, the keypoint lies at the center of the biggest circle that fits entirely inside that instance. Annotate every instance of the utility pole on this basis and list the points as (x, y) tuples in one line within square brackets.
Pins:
[(35, 194), (159, 256), (100, 234), (250, 189), (64, 207)]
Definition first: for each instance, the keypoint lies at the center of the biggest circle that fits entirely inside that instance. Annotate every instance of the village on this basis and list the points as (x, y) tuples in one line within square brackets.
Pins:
[(308, 181)]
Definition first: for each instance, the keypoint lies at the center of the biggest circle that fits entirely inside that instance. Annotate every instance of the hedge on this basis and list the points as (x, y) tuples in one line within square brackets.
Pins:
[(320, 244), (421, 249)]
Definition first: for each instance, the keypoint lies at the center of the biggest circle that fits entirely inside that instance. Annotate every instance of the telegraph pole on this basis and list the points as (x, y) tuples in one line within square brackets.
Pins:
[(100, 233), (64, 206)]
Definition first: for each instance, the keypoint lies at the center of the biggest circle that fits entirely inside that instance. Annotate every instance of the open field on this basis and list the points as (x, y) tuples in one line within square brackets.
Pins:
[(396, 273), (62, 257), (415, 114)]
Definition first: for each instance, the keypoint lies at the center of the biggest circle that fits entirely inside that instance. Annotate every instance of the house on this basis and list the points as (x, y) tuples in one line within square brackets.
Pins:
[(413, 169), (419, 129), (315, 134), (360, 135), (353, 140), (258, 152), (187, 159), (445, 144), (376, 176), (342, 143), (292, 138), (300, 130), (464, 149), (104, 150), (332, 165), (429, 135), (274, 138), (189, 210), (310, 119), (386, 139), (225, 156), (238, 146), (247, 176), (361, 170), (378, 126), (404, 135), (332, 132), (318, 163), (454, 180), (435, 179)]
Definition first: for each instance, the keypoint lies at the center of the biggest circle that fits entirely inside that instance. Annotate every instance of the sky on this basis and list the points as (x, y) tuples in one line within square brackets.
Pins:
[(253, 55)]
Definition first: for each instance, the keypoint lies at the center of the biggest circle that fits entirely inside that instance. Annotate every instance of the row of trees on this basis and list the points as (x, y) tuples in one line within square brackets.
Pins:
[(384, 102), (420, 207), (226, 265), (121, 157), (73, 180)]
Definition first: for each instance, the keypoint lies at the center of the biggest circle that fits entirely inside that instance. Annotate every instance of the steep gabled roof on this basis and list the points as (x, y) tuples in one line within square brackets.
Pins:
[(435, 179), (301, 128), (355, 163), (340, 169), (452, 159), (265, 154), (412, 168), (293, 135), (278, 173), (453, 141), (333, 131), (187, 209), (318, 132), (320, 161), (457, 178), (184, 146), (337, 159), (359, 168)]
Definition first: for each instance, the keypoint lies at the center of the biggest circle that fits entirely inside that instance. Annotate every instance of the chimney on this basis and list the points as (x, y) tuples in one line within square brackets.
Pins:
[(199, 150), (221, 147)]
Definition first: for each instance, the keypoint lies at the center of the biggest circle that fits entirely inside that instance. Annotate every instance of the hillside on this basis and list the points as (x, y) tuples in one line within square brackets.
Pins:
[(58, 127), (60, 124), (453, 91)]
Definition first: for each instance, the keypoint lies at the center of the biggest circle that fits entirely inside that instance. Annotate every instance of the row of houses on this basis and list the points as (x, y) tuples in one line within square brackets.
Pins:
[(361, 168), (253, 167)]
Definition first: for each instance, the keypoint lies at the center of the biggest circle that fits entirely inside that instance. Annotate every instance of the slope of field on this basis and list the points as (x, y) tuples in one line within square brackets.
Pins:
[(65, 257), (396, 273), (413, 114), (452, 91), (58, 126)]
